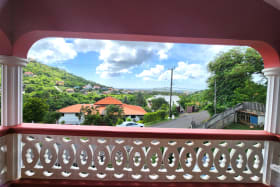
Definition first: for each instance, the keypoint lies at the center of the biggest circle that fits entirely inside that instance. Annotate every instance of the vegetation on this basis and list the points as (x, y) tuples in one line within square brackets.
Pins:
[(113, 115), (47, 76), (34, 110), (153, 123), (233, 72), (158, 103), (43, 85), (154, 116)]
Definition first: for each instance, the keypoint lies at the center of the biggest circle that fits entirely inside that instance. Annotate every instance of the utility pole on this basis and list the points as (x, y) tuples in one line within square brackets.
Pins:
[(171, 82), (215, 97)]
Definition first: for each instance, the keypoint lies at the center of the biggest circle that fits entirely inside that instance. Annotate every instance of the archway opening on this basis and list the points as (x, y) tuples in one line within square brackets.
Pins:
[(69, 77)]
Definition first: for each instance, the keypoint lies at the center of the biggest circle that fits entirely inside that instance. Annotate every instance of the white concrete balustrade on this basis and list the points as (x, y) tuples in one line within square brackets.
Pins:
[(141, 159)]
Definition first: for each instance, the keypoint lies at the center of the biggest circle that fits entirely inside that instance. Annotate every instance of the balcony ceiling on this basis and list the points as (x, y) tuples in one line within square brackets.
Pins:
[(239, 22), (274, 3)]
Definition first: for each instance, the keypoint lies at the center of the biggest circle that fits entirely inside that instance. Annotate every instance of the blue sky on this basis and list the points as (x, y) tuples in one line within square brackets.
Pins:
[(126, 64)]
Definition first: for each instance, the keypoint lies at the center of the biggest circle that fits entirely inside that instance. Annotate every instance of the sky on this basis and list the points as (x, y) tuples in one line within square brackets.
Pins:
[(129, 64)]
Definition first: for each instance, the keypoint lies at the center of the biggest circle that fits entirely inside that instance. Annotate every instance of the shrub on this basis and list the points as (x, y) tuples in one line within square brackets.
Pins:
[(175, 111), (119, 121), (93, 119), (161, 114), (154, 116)]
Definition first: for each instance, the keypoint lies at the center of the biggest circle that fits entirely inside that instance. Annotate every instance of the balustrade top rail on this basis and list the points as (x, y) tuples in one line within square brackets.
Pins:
[(105, 131)]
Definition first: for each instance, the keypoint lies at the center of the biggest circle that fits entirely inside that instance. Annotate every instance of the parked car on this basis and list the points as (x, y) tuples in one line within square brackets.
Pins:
[(130, 124)]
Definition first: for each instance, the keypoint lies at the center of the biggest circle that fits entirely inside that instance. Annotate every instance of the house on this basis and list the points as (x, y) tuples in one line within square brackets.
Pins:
[(107, 92), (70, 90), (71, 114), (174, 100), (87, 87), (96, 87), (59, 83), (250, 117), (28, 74), (252, 113)]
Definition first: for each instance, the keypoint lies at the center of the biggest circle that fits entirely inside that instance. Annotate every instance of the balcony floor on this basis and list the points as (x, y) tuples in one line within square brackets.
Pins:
[(74, 183)]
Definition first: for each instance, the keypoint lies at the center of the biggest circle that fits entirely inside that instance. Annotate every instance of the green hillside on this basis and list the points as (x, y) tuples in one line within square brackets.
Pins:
[(46, 76), (42, 84)]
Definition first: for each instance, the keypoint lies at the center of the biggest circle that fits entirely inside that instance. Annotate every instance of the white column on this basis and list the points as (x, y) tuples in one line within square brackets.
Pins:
[(272, 119), (272, 114), (11, 98)]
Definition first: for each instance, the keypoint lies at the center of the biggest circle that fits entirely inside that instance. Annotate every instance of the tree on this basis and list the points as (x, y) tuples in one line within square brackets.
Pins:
[(113, 113), (51, 117), (93, 119), (157, 103), (140, 100), (164, 107), (251, 92), (125, 100), (233, 72), (34, 110)]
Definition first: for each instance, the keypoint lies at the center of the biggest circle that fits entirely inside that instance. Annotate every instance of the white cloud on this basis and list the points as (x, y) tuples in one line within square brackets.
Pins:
[(87, 45), (185, 71), (211, 51), (182, 71), (163, 52), (117, 57), (52, 50), (121, 57), (200, 54), (151, 73)]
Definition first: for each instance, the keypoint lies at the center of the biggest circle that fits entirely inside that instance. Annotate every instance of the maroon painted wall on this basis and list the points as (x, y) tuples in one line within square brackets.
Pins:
[(239, 22)]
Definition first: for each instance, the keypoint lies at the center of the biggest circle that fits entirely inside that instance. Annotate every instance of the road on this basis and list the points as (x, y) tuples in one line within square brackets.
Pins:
[(58, 89), (184, 120)]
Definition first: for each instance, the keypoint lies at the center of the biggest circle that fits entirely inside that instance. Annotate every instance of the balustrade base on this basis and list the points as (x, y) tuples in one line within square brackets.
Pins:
[(78, 183)]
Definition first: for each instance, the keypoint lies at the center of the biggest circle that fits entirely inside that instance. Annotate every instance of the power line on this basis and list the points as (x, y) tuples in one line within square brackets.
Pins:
[(171, 82), (215, 97)]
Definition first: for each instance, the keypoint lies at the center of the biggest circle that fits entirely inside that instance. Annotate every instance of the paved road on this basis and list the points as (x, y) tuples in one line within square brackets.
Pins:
[(184, 121)]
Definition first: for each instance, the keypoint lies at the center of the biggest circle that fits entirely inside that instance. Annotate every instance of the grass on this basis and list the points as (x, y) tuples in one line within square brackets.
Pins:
[(155, 122), (242, 127)]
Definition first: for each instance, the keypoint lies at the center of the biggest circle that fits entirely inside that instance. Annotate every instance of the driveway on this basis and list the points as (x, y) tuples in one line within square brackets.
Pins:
[(184, 120)]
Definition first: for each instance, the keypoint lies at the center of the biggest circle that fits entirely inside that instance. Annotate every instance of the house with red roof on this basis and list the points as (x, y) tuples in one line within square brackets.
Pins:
[(71, 114)]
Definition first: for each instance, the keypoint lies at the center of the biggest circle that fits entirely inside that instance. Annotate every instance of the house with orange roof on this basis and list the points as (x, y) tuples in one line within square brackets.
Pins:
[(72, 114)]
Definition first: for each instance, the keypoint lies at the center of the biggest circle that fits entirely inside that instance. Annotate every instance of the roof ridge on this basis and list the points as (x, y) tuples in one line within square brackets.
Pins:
[(108, 100)]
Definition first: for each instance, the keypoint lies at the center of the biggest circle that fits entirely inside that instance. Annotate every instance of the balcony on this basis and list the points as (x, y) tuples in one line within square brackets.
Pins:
[(32, 154)]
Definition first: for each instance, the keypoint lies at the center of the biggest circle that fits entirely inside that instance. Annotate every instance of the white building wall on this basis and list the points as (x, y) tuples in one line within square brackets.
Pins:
[(175, 100), (261, 120), (137, 118), (70, 118)]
